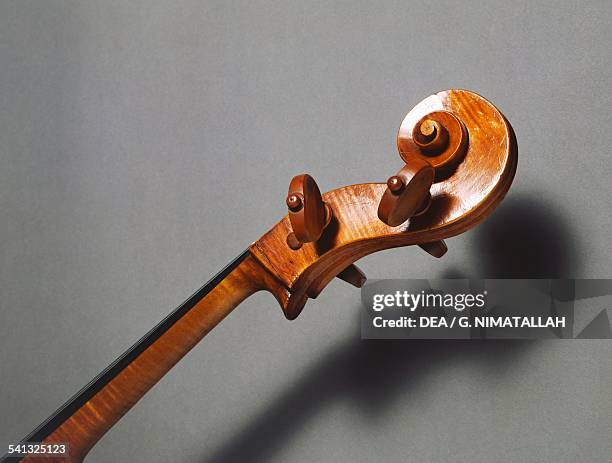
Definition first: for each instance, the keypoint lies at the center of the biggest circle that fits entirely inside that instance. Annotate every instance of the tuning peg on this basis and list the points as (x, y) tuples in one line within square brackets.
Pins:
[(435, 248), (431, 148), (407, 192), (353, 275), (308, 214)]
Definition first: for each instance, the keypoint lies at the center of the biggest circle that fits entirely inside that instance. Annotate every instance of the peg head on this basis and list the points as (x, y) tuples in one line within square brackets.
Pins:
[(483, 156), (308, 214), (407, 193)]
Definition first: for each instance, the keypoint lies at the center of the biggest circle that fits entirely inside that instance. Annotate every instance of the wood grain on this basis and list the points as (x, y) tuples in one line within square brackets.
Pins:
[(459, 202), (85, 427), (460, 199)]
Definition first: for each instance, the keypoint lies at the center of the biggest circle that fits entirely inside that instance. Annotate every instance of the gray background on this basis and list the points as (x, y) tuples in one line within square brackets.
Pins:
[(145, 144)]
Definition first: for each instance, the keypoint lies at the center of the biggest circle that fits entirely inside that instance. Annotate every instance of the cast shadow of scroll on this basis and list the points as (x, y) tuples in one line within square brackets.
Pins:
[(522, 239), (527, 238)]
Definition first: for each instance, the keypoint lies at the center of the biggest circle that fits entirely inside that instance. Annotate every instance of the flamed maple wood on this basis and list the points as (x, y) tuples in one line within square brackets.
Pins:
[(84, 426), (460, 200), (461, 196)]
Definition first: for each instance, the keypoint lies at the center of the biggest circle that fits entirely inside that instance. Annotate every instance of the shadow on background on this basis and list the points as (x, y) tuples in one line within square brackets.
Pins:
[(526, 238), (523, 239)]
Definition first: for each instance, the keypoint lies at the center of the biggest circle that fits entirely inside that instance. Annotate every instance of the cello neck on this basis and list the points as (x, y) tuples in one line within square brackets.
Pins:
[(88, 415)]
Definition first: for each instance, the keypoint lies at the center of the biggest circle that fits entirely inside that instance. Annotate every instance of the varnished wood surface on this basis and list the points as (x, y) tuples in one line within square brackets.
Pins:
[(407, 193), (85, 427), (307, 212), (444, 151), (459, 202)]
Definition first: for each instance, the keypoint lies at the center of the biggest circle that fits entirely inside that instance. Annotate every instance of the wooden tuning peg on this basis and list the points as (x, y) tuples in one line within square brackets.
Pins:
[(353, 275), (435, 248), (431, 148), (407, 192), (407, 195), (308, 214)]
